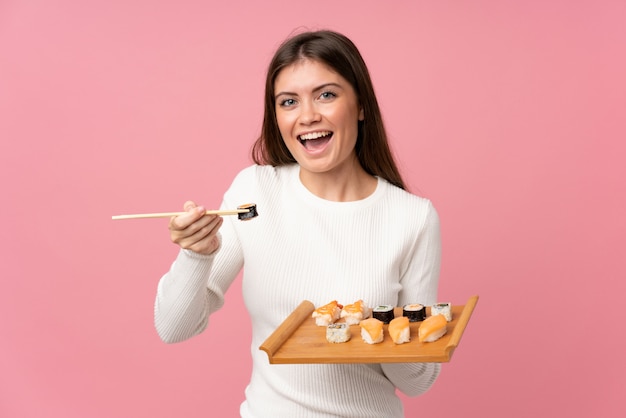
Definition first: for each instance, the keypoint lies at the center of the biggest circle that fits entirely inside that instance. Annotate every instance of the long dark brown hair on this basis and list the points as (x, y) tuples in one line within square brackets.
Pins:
[(339, 53)]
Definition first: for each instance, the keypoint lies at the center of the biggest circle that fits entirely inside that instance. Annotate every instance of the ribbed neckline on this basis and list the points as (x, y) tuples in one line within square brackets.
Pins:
[(312, 199)]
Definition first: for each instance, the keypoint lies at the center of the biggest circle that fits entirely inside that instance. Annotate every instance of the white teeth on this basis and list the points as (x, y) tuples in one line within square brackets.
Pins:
[(314, 135)]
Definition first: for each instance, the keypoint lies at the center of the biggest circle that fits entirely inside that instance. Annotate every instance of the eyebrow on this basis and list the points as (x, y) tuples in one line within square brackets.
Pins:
[(318, 88)]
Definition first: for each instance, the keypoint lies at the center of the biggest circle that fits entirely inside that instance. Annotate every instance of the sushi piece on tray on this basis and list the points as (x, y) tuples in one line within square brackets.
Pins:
[(355, 312), (432, 328), (327, 314), (372, 330), (338, 333), (384, 313), (415, 312), (399, 330), (443, 308)]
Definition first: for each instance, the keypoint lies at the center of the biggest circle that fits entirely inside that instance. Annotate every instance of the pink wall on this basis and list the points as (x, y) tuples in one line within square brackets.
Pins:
[(510, 116)]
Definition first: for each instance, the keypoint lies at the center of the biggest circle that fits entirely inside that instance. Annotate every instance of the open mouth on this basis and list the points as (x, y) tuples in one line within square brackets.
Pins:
[(315, 140)]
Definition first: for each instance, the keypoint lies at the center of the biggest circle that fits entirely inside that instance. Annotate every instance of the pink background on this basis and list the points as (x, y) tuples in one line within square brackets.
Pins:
[(510, 116)]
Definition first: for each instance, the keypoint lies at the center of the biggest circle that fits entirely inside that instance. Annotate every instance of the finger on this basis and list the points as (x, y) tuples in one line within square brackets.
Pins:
[(181, 222), (181, 228), (206, 246), (190, 204), (200, 230), (201, 237)]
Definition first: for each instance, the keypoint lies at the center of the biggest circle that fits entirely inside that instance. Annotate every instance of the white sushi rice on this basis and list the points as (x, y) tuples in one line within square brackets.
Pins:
[(323, 320), (368, 338), (355, 318), (404, 337), (338, 333), (444, 309), (435, 335)]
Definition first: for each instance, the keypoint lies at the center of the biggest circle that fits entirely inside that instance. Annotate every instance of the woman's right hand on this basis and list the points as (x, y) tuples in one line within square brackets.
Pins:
[(195, 230)]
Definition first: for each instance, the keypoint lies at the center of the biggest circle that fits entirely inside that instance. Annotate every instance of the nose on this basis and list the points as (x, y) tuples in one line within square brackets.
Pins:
[(309, 113)]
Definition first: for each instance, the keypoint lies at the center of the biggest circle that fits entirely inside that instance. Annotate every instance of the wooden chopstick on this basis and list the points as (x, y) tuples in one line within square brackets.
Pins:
[(170, 214)]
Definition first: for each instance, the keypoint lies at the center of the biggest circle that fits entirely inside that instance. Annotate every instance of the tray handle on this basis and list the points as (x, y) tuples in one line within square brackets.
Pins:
[(288, 327), (461, 324)]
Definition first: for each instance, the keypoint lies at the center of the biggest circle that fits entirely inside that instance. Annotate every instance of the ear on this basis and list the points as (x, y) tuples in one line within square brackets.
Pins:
[(361, 114)]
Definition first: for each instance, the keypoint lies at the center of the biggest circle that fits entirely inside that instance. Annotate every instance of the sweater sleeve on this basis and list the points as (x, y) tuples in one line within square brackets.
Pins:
[(195, 286), (420, 278), (183, 300), (412, 379), (419, 284)]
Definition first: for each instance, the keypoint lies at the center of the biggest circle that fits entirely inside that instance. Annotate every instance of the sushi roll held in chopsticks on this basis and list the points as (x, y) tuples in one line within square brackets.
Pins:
[(252, 212)]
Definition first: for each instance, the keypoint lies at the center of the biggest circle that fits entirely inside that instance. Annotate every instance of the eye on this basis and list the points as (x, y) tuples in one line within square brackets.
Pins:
[(327, 95), (286, 103)]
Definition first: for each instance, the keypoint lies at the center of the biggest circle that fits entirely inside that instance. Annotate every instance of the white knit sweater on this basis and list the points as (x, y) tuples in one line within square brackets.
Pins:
[(384, 249)]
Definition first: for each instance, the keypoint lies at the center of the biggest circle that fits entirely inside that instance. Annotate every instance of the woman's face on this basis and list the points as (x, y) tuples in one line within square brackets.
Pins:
[(317, 113)]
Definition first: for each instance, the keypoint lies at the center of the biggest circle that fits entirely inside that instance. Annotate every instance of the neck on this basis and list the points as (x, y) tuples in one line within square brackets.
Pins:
[(346, 185)]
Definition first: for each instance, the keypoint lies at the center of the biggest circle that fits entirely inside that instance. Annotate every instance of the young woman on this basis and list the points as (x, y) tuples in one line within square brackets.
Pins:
[(335, 224)]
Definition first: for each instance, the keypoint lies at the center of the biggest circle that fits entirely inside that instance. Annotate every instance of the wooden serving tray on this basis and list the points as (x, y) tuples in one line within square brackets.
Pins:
[(299, 341)]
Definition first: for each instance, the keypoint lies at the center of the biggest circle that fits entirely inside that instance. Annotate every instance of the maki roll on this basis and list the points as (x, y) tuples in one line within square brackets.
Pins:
[(251, 213), (338, 333), (415, 312), (383, 313), (444, 309)]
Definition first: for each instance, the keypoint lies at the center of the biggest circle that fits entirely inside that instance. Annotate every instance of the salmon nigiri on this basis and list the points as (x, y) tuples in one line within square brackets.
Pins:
[(371, 330), (327, 314), (355, 312), (432, 328), (399, 330)]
